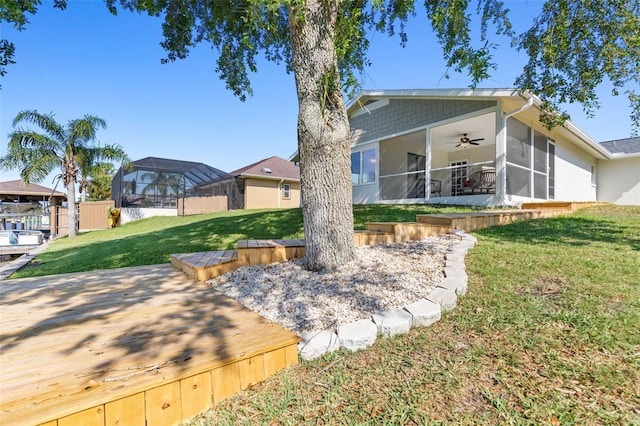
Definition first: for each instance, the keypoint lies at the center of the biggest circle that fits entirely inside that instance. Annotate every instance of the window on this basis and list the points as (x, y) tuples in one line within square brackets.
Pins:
[(363, 166), (540, 152), (286, 191), (530, 162), (355, 167), (552, 170), (593, 175), (518, 143), (540, 167), (518, 181)]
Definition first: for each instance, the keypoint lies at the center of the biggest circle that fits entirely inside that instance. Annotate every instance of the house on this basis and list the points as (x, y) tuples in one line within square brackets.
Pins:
[(619, 176), (27, 206), (483, 147), (270, 183)]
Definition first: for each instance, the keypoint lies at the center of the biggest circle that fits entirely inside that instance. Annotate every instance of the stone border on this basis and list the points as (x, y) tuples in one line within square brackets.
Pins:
[(362, 334)]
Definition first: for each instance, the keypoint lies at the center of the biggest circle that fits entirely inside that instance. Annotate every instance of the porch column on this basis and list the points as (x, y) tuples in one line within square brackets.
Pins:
[(501, 156), (427, 167)]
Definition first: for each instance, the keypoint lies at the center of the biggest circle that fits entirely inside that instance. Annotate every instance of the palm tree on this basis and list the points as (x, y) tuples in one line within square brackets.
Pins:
[(38, 154), (91, 161), (99, 182)]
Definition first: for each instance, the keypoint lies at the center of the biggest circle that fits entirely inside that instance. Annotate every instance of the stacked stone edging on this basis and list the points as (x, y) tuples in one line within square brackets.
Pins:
[(422, 313)]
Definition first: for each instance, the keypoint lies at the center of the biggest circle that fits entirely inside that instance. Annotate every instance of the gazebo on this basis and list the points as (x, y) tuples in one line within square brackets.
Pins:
[(27, 206)]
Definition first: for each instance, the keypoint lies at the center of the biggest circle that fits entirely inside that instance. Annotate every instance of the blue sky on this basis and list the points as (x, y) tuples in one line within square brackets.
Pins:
[(86, 61)]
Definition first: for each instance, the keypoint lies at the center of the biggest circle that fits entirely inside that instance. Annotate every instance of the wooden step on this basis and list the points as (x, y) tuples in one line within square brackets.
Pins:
[(475, 221), (206, 265), (380, 226), (372, 238), (569, 206), (555, 205), (404, 231), (412, 231), (261, 252)]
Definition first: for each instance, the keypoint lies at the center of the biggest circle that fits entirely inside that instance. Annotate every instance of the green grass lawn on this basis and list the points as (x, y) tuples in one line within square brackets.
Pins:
[(548, 334), (152, 241)]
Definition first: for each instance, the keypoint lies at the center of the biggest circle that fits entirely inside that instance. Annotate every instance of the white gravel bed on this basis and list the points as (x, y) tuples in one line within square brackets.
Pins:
[(380, 278)]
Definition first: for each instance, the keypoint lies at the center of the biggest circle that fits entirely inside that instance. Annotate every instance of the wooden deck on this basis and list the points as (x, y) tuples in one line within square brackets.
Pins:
[(135, 346)]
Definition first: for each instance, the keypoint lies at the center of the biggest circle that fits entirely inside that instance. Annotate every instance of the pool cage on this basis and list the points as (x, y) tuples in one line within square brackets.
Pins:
[(160, 183)]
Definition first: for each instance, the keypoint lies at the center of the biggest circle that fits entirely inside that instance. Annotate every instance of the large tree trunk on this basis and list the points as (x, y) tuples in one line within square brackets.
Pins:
[(323, 138)]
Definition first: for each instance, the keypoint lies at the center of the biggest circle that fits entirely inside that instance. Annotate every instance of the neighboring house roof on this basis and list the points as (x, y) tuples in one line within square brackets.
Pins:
[(623, 146), (17, 187), (270, 168)]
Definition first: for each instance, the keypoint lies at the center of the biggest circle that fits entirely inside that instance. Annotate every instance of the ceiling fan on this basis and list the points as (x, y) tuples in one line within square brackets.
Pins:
[(465, 141)]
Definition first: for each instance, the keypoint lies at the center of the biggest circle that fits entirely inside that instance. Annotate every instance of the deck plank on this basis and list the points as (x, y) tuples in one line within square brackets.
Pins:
[(74, 344)]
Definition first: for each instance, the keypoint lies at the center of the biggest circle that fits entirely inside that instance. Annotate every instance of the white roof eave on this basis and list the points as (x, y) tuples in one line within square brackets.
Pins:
[(622, 156), (278, 178), (434, 93), (599, 149)]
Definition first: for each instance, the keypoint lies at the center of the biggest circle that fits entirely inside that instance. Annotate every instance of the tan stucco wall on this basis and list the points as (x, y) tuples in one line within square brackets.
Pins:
[(199, 205), (263, 194)]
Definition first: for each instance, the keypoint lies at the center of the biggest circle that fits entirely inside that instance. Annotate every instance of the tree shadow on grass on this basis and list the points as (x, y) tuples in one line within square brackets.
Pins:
[(571, 230)]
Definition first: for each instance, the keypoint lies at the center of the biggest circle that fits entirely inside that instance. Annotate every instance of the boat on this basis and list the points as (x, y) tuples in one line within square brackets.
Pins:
[(21, 238)]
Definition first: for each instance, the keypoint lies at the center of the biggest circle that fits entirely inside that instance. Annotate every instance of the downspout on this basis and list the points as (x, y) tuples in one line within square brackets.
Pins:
[(279, 183), (526, 106), (427, 166), (501, 166)]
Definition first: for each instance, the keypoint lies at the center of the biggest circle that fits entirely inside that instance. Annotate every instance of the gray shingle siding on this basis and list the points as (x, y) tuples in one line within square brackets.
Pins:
[(404, 114)]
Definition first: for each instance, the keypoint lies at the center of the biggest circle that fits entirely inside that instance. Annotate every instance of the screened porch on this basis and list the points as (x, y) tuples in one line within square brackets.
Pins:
[(159, 183), (460, 161)]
